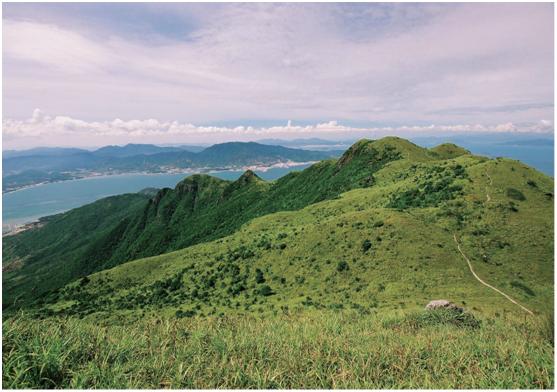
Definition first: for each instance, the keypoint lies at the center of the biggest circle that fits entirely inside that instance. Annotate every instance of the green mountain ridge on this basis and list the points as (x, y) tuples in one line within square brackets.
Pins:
[(403, 202), (200, 208)]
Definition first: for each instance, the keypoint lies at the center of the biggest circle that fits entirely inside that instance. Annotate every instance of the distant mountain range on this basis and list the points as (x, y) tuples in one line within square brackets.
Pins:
[(127, 150), (24, 168)]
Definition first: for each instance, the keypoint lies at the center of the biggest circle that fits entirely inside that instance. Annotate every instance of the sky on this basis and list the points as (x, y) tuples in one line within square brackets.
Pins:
[(91, 74)]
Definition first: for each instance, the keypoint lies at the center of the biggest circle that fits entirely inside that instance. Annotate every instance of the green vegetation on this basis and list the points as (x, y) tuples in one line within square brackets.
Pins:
[(342, 266), (420, 320), (436, 186), (56, 253), (523, 287), (310, 350), (332, 265), (449, 151), (199, 209), (515, 194), (366, 245)]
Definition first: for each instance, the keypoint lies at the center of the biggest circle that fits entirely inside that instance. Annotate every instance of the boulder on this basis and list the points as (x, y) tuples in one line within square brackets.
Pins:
[(443, 304)]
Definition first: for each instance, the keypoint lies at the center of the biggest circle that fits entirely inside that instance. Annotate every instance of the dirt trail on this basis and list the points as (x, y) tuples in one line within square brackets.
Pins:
[(488, 198), (484, 283), (490, 179)]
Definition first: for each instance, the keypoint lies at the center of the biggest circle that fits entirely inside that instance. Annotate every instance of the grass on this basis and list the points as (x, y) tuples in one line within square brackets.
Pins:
[(320, 349), (420, 320)]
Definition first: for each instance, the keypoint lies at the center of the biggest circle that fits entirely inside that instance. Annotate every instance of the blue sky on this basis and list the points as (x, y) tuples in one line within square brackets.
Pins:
[(91, 74)]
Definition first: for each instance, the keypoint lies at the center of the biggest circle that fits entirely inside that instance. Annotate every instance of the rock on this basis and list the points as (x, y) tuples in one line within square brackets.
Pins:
[(443, 304)]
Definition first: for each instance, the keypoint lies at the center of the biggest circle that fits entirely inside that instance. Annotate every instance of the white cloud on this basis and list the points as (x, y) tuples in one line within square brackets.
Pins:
[(41, 130), (51, 46), (375, 64)]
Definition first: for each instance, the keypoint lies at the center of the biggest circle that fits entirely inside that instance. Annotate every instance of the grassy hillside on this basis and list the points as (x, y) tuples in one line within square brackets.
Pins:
[(354, 252), (332, 266), (199, 209), (45, 258)]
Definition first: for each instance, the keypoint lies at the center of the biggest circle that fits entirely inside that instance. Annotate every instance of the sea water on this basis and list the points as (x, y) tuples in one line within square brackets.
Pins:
[(29, 204)]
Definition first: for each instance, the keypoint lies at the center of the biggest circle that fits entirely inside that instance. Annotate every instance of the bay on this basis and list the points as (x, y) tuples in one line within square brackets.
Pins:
[(29, 204)]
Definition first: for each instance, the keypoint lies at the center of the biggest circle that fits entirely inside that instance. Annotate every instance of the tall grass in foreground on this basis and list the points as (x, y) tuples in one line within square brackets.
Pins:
[(309, 350)]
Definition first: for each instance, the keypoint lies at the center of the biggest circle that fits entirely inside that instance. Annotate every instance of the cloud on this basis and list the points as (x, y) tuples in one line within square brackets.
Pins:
[(495, 109), (251, 63), (41, 129), (51, 46)]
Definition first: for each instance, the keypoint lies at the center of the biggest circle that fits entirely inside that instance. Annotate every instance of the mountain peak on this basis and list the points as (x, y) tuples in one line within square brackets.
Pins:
[(355, 150), (449, 150), (248, 177), (386, 149), (197, 182)]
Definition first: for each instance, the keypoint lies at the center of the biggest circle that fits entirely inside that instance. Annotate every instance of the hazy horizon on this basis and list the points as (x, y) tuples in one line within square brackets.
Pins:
[(344, 139)]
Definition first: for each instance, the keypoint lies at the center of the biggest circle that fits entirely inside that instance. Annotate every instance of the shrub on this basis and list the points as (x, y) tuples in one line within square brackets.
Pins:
[(515, 194), (265, 291), (480, 230), (366, 245), (236, 289), (342, 266), (459, 171), (523, 287), (187, 313), (428, 194), (532, 183), (259, 278)]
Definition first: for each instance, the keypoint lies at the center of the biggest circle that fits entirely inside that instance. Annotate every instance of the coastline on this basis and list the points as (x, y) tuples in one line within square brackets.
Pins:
[(34, 221), (201, 170)]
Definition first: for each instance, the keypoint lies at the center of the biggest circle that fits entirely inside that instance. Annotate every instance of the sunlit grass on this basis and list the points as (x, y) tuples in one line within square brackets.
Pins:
[(304, 350)]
